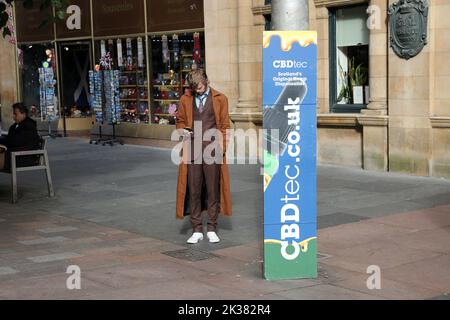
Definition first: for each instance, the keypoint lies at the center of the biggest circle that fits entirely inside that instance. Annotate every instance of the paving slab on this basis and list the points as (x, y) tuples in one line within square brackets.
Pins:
[(117, 223)]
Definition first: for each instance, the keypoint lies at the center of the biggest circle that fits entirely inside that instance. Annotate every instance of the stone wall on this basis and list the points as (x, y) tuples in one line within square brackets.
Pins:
[(440, 88), (221, 46), (8, 87)]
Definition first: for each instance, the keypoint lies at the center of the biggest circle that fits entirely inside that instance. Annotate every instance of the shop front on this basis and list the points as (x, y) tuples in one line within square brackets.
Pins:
[(154, 44)]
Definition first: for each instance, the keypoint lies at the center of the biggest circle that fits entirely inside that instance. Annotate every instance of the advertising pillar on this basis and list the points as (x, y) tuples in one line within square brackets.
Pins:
[(289, 113)]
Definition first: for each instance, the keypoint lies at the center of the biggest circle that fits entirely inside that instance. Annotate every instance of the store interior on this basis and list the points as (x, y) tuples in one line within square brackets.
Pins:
[(152, 75)]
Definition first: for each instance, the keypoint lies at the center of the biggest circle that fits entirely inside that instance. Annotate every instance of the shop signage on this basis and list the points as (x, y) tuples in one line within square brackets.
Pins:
[(289, 117), (118, 17), (77, 22), (174, 15), (111, 18), (29, 28), (408, 21), (73, 22)]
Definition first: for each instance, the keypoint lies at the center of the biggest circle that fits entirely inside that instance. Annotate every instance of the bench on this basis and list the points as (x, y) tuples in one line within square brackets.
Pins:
[(42, 164)]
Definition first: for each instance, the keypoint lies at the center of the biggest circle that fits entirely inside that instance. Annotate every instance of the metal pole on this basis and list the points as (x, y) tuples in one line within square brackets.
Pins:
[(290, 15)]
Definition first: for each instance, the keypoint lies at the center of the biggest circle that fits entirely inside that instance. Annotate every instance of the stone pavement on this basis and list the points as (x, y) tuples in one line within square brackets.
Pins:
[(114, 218)]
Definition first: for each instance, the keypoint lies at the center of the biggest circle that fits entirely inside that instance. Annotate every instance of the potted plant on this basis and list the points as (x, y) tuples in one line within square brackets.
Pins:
[(358, 79), (345, 93)]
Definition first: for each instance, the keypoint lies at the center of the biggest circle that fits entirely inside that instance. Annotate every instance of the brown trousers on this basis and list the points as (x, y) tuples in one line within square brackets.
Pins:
[(2, 159), (197, 173)]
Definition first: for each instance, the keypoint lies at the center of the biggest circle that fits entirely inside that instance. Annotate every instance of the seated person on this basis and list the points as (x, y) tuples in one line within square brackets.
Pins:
[(22, 136)]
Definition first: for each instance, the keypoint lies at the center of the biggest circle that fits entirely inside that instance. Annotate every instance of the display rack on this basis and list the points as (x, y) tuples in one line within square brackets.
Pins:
[(104, 87), (134, 96), (175, 58), (48, 101)]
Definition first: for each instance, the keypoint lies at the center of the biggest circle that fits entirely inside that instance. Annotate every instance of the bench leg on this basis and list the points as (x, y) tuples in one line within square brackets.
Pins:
[(51, 192), (14, 179)]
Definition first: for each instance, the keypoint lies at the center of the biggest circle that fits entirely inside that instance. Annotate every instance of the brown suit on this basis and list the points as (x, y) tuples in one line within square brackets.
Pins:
[(185, 119)]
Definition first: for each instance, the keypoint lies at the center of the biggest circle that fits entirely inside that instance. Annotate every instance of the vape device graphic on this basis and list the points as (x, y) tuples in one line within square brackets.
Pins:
[(276, 118)]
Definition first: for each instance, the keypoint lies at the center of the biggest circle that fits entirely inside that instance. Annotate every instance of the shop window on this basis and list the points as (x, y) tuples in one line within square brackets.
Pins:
[(75, 62), (268, 21), (268, 17), (173, 57), (349, 59), (31, 58), (129, 56)]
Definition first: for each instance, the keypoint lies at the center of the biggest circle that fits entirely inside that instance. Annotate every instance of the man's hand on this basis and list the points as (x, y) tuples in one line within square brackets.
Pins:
[(187, 134)]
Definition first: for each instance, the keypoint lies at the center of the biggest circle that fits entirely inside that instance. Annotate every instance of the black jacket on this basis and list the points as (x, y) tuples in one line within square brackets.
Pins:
[(22, 137)]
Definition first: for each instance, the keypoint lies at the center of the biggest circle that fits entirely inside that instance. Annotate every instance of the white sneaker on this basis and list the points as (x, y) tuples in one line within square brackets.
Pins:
[(212, 237), (195, 238)]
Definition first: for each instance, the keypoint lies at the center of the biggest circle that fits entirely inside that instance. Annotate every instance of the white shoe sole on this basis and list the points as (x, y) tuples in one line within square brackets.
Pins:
[(194, 242), (217, 240)]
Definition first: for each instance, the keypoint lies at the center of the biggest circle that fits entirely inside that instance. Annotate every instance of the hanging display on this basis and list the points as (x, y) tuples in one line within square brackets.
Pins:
[(95, 89), (176, 50), (47, 93), (197, 49), (112, 99), (111, 49), (170, 73), (140, 53), (102, 48), (129, 55), (165, 49), (119, 53)]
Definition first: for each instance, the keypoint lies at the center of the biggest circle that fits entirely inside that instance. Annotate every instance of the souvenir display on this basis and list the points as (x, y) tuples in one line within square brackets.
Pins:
[(95, 88), (128, 55), (169, 73), (172, 58), (119, 54), (140, 53), (102, 48), (165, 50), (104, 89), (47, 93), (112, 100), (197, 48)]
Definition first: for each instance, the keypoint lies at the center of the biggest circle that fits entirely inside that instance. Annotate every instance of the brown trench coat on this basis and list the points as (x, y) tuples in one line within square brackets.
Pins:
[(185, 120)]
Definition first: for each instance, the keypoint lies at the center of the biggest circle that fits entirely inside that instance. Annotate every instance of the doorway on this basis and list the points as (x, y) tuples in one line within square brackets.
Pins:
[(75, 62)]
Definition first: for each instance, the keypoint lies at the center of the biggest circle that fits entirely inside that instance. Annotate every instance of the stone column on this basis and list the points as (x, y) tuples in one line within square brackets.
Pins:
[(290, 15), (374, 119), (378, 50), (248, 111), (8, 79), (221, 47)]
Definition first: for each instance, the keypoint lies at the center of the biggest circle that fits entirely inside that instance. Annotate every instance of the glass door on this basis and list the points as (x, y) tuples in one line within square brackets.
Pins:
[(75, 62)]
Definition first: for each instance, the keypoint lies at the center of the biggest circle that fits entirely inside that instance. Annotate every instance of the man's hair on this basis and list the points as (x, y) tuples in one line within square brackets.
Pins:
[(195, 77), (21, 107)]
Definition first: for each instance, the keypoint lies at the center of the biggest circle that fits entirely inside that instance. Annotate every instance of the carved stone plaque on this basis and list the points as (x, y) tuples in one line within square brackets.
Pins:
[(408, 20)]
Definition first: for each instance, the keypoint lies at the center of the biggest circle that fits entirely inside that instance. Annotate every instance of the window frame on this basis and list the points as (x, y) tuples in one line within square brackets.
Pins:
[(332, 46)]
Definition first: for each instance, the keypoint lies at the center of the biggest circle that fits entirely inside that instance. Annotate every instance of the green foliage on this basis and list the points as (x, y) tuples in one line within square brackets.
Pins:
[(357, 75), (59, 6), (345, 91)]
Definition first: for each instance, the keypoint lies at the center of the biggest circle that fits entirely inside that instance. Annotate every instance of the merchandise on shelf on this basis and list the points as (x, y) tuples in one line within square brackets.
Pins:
[(128, 55), (47, 94), (112, 98), (175, 59), (95, 88)]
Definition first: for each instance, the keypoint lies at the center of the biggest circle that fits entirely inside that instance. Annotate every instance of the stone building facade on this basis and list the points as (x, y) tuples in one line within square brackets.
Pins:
[(404, 124)]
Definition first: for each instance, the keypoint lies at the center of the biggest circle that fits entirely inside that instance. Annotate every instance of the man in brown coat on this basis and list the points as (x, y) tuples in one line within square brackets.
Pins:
[(202, 183)]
